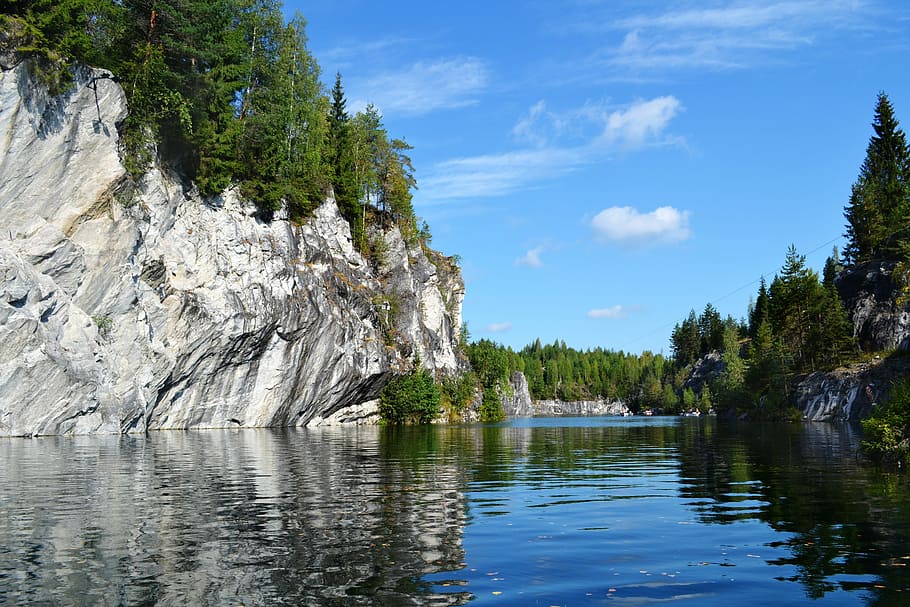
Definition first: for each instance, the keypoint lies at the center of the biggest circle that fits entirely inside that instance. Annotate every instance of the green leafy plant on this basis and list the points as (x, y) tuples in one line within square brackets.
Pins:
[(887, 431), (411, 398), (491, 407)]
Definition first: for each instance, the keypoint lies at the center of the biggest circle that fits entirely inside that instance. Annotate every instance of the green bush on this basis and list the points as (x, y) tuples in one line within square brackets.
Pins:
[(491, 407), (457, 393), (412, 398), (887, 431)]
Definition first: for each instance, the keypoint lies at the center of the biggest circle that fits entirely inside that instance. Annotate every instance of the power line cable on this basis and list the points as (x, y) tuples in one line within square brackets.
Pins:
[(716, 300)]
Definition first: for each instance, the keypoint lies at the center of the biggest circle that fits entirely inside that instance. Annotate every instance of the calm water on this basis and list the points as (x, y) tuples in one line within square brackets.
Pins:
[(595, 511)]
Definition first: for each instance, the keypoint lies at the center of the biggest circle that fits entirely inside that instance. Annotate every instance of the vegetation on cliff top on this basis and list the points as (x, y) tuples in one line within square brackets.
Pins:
[(226, 93)]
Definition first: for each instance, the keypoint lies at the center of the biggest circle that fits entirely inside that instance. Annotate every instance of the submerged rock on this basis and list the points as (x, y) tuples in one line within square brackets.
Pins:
[(131, 307)]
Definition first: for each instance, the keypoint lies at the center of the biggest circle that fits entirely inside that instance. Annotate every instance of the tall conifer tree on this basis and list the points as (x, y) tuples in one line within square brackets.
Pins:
[(878, 214)]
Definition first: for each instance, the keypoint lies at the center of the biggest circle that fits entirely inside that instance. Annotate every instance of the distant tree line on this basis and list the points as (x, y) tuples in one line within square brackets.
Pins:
[(226, 93), (556, 371)]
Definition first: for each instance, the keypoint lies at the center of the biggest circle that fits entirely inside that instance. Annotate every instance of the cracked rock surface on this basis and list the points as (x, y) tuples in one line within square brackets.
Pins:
[(132, 307)]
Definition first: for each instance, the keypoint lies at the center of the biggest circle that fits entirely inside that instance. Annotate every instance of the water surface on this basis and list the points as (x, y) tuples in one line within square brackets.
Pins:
[(583, 511)]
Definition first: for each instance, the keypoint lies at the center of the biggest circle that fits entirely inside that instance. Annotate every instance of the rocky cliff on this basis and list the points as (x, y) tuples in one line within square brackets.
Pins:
[(518, 403), (879, 324), (127, 307), (850, 393), (580, 407)]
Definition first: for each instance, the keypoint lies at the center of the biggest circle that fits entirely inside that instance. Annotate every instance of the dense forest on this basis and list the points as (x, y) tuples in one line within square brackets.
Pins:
[(226, 94)]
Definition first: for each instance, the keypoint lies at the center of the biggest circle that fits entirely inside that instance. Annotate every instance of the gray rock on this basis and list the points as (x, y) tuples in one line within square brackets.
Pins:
[(518, 404), (869, 294), (849, 393), (704, 371), (580, 408), (131, 307)]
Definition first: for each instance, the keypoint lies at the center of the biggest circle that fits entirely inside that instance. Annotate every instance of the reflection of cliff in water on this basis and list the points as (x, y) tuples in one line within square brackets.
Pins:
[(251, 517), (848, 524)]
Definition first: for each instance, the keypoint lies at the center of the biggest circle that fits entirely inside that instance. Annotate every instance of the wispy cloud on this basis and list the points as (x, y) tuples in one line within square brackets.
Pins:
[(527, 129), (532, 258), (727, 35), (426, 86), (627, 227), (573, 139), (498, 327), (495, 174), (616, 312)]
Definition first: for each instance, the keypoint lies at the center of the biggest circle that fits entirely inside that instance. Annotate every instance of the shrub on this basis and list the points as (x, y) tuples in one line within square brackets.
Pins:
[(491, 407), (457, 393), (887, 431), (412, 398)]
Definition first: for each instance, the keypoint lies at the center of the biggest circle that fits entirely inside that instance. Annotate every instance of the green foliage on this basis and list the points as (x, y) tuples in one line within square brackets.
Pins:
[(491, 407), (457, 393), (411, 398), (558, 372), (887, 431), (490, 362), (697, 336), (225, 93), (878, 214)]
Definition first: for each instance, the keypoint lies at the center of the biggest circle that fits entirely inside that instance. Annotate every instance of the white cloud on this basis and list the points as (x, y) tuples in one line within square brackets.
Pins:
[(531, 258), (614, 312), (495, 174), (626, 226), (427, 86), (641, 122), (732, 35), (606, 128), (498, 327), (527, 129)]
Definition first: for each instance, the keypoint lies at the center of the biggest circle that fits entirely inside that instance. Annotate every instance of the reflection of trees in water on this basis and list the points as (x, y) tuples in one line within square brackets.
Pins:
[(252, 517), (848, 525)]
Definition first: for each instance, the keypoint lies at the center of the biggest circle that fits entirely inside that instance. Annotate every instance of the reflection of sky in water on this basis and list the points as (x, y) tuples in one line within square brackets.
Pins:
[(552, 512)]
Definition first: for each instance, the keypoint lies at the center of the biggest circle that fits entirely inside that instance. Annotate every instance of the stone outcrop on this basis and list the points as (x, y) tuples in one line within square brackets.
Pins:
[(849, 393), (870, 296), (580, 407), (518, 403), (705, 370), (127, 307)]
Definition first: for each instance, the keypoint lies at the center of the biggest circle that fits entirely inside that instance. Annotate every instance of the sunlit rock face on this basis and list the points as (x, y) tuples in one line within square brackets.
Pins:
[(126, 307), (518, 403), (580, 407)]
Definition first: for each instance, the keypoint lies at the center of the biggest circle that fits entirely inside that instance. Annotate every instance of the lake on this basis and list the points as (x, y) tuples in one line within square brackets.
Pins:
[(544, 511)]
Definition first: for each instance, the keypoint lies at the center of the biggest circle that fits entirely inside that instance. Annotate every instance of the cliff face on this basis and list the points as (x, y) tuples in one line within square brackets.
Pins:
[(870, 296), (852, 392), (519, 403), (126, 308), (879, 323), (580, 407)]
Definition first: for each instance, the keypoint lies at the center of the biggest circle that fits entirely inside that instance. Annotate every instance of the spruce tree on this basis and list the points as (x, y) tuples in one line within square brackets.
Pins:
[(760, 311), (344, 176), (878, 214)]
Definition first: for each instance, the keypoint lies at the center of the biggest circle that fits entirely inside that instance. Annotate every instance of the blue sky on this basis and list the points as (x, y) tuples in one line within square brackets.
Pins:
[(604, 166)]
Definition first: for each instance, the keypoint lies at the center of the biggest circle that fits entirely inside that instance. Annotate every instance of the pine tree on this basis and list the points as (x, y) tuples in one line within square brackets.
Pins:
[(760, 310), (878, 214), (344, 176)]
